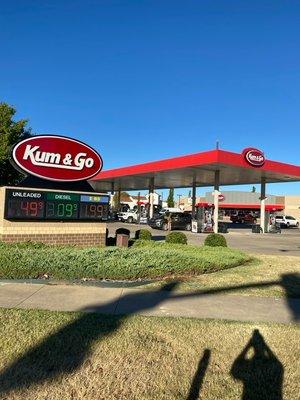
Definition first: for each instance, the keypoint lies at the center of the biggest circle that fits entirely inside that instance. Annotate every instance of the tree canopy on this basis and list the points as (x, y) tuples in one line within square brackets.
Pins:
[(170, 199), (124, 197), (11, 132)]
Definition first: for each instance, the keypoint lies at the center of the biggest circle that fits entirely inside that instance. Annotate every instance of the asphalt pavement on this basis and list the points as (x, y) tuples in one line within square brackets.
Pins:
[(239, 237)]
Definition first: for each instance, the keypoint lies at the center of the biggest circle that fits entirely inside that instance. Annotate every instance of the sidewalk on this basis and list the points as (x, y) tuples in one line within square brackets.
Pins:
[(148, 302)]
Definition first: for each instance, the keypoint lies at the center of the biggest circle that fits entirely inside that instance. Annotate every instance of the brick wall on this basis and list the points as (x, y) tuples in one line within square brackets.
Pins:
[(55, 232)]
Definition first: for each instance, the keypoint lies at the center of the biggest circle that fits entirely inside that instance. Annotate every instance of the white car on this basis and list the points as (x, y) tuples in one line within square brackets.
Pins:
[(287, 221), (131, 216), (128, 216)]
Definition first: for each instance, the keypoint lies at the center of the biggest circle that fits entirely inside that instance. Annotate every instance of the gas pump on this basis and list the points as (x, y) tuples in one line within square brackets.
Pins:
[(274, 226), (267, 221), (203, 221)]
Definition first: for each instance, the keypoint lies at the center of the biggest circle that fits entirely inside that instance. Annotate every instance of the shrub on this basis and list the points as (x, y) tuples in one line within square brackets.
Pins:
[(26, 245), (176, 237), (143, 234), (142, 242), (215, 240)]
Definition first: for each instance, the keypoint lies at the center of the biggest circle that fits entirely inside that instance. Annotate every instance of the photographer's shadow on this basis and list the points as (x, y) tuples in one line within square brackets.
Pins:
[(259, 369)]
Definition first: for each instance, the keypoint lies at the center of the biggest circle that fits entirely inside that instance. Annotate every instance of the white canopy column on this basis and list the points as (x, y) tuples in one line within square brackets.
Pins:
[(216, 200), (263, 204), (151, 198), (194, 200)]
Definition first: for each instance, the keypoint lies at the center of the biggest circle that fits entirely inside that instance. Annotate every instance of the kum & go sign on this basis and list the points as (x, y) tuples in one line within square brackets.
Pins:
[(254, 157), (57, 158)]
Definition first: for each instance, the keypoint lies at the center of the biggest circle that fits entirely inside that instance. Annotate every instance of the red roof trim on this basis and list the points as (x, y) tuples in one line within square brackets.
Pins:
[(198, 159), (190, 160), (269, 207)]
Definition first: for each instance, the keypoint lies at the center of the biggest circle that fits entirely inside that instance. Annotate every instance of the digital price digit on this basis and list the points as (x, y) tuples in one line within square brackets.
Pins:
[(93, 211), (31, 208), (50, 210), (57, 210), (71, 209), (61, 210)]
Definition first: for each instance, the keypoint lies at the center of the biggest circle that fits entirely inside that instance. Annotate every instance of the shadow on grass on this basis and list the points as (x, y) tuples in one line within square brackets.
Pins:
[(259, 370), (199, 376), (64, 351), (291, 284)]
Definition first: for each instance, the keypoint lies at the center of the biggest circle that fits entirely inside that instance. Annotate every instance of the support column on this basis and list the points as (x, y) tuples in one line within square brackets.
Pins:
[(119, 200), (216, 201), (139, 207), (112, 203), (151, 199), (194, 200), (262, 204)]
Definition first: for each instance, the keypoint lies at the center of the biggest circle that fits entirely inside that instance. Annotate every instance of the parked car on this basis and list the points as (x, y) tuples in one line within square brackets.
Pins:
[(287, 221), (243, 218), (113, 216), (131, 216), (174, 220), (128, 216)]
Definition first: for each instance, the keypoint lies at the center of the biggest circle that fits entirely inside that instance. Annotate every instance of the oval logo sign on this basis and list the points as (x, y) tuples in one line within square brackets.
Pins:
[(221, 197), (254, 157), (57, 158)]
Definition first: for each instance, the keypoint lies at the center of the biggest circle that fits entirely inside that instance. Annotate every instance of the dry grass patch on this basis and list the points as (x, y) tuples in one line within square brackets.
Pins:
[(50, 355), (263, 268)]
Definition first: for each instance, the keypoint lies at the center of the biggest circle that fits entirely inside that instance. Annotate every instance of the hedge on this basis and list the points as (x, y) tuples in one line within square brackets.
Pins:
[(147, 261)]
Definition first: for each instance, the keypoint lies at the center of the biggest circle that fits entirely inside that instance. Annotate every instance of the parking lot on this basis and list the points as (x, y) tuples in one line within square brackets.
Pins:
[(288, 242)]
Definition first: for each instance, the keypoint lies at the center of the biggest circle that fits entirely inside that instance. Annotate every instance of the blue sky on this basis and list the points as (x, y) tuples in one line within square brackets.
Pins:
[(144, 80)]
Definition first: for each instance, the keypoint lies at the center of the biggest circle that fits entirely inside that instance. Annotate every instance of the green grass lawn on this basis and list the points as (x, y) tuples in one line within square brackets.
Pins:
[(52, 355), (155, 260)]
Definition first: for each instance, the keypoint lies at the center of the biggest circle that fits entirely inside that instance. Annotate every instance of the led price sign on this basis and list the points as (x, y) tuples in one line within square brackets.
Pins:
[(60, 206)]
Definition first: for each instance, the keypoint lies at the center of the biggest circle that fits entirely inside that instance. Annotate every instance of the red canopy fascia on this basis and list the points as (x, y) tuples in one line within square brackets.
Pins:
[(200, 167), (269, 207)]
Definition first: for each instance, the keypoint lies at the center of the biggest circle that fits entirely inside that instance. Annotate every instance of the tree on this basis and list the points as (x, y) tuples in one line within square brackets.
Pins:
[(11, 132), (124, 197), (170, 199)]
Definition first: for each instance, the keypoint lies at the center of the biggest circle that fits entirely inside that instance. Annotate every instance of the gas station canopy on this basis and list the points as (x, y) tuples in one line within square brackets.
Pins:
[(195, 169)]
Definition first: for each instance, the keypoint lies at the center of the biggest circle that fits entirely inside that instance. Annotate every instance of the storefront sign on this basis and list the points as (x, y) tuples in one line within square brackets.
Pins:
[(57, 158), (254, 157)]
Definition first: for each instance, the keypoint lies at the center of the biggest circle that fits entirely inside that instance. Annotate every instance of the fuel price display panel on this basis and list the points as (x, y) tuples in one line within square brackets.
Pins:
[(57, 206)]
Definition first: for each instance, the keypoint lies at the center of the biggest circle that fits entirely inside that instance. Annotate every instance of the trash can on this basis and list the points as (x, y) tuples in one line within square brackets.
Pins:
[(122, 240), (256, 228), (222, 227), (123, 231)]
